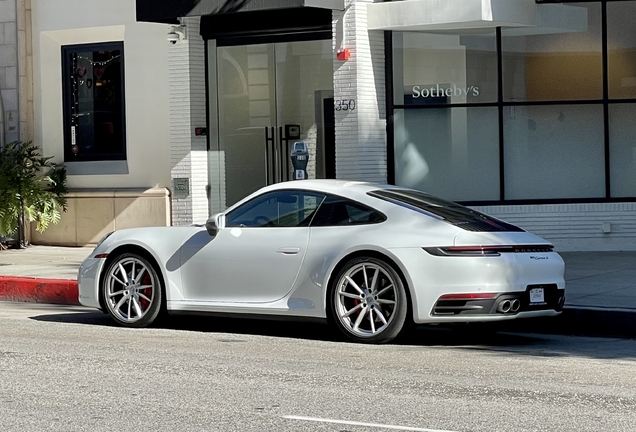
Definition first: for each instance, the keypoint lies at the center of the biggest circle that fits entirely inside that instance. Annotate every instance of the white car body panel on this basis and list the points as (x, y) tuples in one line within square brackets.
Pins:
[(287, 271), (240, 265)]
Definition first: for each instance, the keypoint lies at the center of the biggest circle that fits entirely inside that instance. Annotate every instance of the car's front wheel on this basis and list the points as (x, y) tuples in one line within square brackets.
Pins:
[(368, 301), (131, 290)]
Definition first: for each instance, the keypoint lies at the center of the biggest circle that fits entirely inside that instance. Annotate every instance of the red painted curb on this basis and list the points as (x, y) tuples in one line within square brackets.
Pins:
[(37, 290)]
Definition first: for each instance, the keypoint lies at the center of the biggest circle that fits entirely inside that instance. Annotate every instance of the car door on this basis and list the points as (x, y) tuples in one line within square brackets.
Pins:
[(257, 256)]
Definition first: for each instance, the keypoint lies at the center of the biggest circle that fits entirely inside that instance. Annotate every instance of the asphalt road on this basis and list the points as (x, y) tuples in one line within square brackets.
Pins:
[(64, 368)]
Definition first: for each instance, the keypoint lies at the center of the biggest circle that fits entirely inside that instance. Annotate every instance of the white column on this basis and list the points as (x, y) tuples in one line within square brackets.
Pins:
[(361, 152), (188, 153)]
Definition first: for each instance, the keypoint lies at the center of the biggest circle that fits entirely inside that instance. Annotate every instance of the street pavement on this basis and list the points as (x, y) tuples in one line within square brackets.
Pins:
[(69, 368), (600, 287)]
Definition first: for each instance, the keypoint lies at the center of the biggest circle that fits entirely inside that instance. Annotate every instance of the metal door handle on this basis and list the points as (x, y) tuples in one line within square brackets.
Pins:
[(288, 250), (270, 176)]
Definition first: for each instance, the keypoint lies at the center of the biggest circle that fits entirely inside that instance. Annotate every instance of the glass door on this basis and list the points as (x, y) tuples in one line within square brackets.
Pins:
[(269, 96)]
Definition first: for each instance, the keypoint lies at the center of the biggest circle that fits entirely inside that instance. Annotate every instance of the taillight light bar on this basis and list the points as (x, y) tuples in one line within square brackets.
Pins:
[(486, 250)]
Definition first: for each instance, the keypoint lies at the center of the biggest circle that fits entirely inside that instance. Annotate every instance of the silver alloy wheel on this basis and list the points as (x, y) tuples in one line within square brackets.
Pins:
[(366, 297), (130, 289)]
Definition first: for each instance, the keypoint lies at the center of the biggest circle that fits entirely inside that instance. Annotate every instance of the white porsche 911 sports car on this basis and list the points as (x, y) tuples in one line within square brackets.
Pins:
[(370, 258)]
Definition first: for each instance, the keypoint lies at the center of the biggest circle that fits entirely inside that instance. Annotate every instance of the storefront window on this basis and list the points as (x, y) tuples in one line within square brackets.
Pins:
[(444, 69), (621, 46), (622, 118), (564, 121), (453, 153), (93, 82), (554, 152), (558, 59)]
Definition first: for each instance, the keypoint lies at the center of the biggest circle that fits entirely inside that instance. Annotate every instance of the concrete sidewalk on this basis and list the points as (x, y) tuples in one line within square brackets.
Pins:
[(50, 262), (600, 286)]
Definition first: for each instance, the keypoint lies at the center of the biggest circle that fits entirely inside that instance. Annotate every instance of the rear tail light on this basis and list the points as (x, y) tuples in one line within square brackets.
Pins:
[(486, 250)]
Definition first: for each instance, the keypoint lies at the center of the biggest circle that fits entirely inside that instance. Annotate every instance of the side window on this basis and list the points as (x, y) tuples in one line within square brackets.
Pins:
[(286, 208), (338, 211), (94, 117)]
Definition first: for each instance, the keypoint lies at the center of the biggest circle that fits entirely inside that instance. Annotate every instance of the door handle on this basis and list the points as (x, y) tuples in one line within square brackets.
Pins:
[(270, 166), (288, 250)]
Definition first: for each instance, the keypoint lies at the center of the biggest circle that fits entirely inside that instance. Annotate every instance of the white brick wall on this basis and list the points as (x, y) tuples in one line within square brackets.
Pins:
[(574, 227), (360, 134), (188, 156)]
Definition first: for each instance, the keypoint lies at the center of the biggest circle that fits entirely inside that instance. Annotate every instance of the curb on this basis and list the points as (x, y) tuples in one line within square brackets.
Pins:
[(38, 290)]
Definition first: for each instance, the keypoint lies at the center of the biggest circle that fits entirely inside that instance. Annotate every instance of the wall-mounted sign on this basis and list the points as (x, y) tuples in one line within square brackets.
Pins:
[(438, 91), (180, 188)]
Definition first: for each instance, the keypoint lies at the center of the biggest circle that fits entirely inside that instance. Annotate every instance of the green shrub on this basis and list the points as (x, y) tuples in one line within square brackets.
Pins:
[(32, 188)]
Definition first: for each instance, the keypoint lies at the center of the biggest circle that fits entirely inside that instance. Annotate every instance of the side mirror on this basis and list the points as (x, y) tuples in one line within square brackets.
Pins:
[(215, 223)]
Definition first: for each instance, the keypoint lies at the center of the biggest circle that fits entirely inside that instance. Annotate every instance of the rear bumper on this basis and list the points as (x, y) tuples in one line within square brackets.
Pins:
[(488, 318), (503, 304), (505, 277)]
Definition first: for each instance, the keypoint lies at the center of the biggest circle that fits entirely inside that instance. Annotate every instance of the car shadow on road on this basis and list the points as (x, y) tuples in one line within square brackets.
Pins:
[(500, 340)]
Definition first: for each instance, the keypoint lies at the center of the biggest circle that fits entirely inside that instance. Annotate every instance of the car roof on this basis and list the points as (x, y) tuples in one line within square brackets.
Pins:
[(351, 189), (331, 186)]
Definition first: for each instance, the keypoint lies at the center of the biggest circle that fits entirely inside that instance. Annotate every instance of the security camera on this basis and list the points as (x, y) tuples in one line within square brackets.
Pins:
[(176, 34)]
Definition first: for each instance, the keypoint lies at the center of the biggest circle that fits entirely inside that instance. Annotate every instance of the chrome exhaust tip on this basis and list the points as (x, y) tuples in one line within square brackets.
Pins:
[(515, 305), (504, 306)]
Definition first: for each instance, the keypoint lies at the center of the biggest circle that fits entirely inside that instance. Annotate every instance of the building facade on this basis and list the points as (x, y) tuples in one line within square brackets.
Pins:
[(14, 84), (167, 112), (101, 86)]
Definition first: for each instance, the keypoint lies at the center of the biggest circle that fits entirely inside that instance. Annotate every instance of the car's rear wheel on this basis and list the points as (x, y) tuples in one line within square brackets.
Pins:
[(132, 290), (368, 301)]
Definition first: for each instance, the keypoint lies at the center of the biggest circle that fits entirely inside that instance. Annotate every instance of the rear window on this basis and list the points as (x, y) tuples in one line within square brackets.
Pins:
[(447, 211)]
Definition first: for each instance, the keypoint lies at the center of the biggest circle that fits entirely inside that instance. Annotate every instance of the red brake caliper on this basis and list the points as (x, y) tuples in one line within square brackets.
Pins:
[(147, 292)]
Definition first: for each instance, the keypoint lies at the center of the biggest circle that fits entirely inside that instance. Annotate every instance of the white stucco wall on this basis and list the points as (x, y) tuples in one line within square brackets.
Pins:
[(68, 22)]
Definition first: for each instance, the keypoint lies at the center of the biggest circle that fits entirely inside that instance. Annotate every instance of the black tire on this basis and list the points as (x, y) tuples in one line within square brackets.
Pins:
[(124, 299), (383, 307)]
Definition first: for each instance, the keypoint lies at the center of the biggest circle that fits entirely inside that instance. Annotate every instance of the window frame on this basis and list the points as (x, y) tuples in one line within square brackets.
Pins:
[(501, 104), (67, 97)]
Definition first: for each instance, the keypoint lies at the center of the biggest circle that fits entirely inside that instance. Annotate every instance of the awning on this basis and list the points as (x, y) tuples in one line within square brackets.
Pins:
[(168, 11), (518, 17), (440, 15)]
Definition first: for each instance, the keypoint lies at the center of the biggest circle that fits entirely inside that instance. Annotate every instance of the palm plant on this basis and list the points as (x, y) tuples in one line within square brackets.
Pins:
[(32, 188)]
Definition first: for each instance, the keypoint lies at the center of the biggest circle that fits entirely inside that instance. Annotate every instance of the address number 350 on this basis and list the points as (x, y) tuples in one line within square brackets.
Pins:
[(345, 105)]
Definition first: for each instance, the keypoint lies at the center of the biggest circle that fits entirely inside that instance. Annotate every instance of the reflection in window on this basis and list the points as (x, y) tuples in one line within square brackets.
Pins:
[(444, 69), (622, 118), (94, 102), (276, 209), (452, 153), (554, 152), (559, 59), (621, 45)]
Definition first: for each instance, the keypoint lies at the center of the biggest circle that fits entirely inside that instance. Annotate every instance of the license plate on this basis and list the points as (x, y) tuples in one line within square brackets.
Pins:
[(537, 295)]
